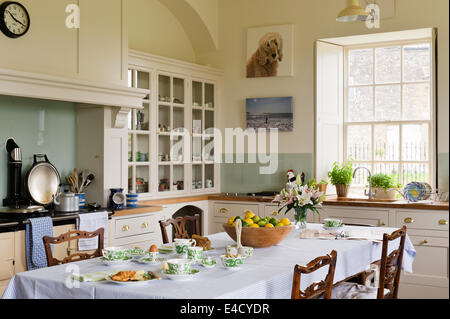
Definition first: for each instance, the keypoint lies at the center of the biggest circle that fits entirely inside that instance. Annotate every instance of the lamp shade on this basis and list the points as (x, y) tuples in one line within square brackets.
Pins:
[(353, 12)]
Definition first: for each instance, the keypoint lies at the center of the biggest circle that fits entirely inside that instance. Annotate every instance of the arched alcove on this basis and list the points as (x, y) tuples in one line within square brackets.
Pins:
[(189, 210), (199, 29)]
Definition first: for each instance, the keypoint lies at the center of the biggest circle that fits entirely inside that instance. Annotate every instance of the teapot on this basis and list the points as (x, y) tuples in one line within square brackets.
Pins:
[(66, 202)]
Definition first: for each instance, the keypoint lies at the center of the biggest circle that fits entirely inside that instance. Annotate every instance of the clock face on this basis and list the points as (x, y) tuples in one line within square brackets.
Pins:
[(15, 20)]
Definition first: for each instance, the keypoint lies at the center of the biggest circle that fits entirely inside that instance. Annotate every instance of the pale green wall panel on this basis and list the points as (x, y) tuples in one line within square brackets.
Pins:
[(245, 177), (39, 127), (443, 170)]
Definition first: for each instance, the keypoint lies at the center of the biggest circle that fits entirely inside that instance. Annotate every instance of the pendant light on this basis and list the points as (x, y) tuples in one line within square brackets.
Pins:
[(353, 12)]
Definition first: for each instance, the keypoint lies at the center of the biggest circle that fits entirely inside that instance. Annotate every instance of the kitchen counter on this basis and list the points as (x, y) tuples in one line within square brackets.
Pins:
[(58, 218), (141, 209), (333, 201)]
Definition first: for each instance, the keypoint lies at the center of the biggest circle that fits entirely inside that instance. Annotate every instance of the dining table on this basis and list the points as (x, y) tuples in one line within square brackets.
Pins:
[(268, 274)]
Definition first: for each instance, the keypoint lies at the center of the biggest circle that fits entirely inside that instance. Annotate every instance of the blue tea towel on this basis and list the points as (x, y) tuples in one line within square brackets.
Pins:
[(34, 233)]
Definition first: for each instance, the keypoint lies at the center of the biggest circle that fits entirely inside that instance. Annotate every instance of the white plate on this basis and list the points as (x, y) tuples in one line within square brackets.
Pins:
[(144, 260), (115, 262), (232, 268), (129, 283), (166, 249), (183, 277), (334, 229)]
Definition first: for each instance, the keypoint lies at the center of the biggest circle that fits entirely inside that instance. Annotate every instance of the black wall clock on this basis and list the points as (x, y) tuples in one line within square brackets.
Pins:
[(14, 19)]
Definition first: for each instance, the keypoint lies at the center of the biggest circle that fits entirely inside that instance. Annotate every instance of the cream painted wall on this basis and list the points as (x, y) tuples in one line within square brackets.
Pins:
[(152, 28), (94, 52), (312, 20)]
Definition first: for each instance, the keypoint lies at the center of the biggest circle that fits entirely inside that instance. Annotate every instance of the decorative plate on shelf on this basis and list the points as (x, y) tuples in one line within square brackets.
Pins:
[(414, 191)]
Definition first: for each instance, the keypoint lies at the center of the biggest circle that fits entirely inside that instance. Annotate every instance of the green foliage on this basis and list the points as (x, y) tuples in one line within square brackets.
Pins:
[(341, 174), (383, 181), (323, 182)]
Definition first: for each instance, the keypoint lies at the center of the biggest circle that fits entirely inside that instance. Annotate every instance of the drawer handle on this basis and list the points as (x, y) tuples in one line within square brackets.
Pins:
[(125, 228), (409, 220), (443, 222), (383, 224), (223, 211), (144, 225), (275, 213), (425, 241)]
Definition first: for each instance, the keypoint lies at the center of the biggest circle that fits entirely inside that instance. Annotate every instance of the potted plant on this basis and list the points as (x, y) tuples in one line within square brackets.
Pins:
[(341, 177), (384, 186), (322, 185)]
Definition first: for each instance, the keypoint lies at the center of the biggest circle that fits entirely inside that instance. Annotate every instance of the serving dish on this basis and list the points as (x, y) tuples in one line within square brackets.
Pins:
[(145, 275), (259, 237)]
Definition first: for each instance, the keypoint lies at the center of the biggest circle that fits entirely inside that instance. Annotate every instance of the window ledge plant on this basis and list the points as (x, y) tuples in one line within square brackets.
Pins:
[(341, 177)]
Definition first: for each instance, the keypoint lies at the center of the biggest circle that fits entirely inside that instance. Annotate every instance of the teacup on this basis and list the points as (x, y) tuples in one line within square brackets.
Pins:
[(113, 253), (232, 262), (232, 249), (179, 266), (332, 222), (153, 255), (195, 253), (181, 245)]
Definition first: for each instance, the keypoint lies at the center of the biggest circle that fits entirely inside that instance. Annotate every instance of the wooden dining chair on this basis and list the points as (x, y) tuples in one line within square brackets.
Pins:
[(69, 236), (317, 289), (390, 266), (179, 227)]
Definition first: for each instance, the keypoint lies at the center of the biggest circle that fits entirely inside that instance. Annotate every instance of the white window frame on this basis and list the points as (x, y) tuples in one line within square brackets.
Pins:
[(432, 125)]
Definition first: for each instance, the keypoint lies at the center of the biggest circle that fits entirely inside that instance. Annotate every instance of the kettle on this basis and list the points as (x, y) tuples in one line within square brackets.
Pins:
[(66, 202)]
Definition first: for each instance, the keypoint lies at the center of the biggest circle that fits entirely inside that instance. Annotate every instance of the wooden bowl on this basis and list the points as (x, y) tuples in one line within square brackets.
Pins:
[(260, 237)]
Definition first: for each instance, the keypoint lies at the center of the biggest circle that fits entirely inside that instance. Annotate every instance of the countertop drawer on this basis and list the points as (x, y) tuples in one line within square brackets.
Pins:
[(422, 220), (228, 210), (135, 226)]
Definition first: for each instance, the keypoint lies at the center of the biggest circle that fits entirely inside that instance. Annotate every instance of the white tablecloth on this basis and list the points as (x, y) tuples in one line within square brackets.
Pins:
[(268, 274)]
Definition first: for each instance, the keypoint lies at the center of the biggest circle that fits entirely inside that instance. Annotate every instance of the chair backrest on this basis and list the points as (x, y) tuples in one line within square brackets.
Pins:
[(73, 235), (179, 227), (323, 287), (391, 265)]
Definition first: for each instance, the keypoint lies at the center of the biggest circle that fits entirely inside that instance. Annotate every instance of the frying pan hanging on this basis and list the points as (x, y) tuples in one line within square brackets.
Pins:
[(42, 180)]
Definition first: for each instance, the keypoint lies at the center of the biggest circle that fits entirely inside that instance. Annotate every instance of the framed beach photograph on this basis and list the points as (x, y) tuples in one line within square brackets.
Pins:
[(270, 51), (276, 112)]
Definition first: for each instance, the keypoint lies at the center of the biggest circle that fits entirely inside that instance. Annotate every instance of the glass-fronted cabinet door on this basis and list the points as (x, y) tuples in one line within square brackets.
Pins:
[(139, 138), (171, 119), (203, 124)]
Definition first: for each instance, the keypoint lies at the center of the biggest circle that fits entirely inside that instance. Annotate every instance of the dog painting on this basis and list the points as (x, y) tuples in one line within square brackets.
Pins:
[(269, 51)]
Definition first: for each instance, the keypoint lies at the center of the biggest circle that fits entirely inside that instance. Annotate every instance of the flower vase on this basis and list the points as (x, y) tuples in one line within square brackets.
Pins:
[(300, 218)]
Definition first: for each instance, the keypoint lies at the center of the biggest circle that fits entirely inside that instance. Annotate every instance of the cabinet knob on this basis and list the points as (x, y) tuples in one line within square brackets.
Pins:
[(223, 211), (443, 222), (144, 225), (425, 241), (382, 224), (409, 220), (125, 228)]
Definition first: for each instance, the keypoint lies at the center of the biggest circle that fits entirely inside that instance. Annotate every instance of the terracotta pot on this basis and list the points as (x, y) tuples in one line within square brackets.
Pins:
[(259, 237), (342, 190), (323, 188)]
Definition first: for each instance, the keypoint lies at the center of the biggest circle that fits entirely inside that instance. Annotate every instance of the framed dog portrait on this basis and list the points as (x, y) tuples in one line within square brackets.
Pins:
[(273, 112), (270, 51)]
